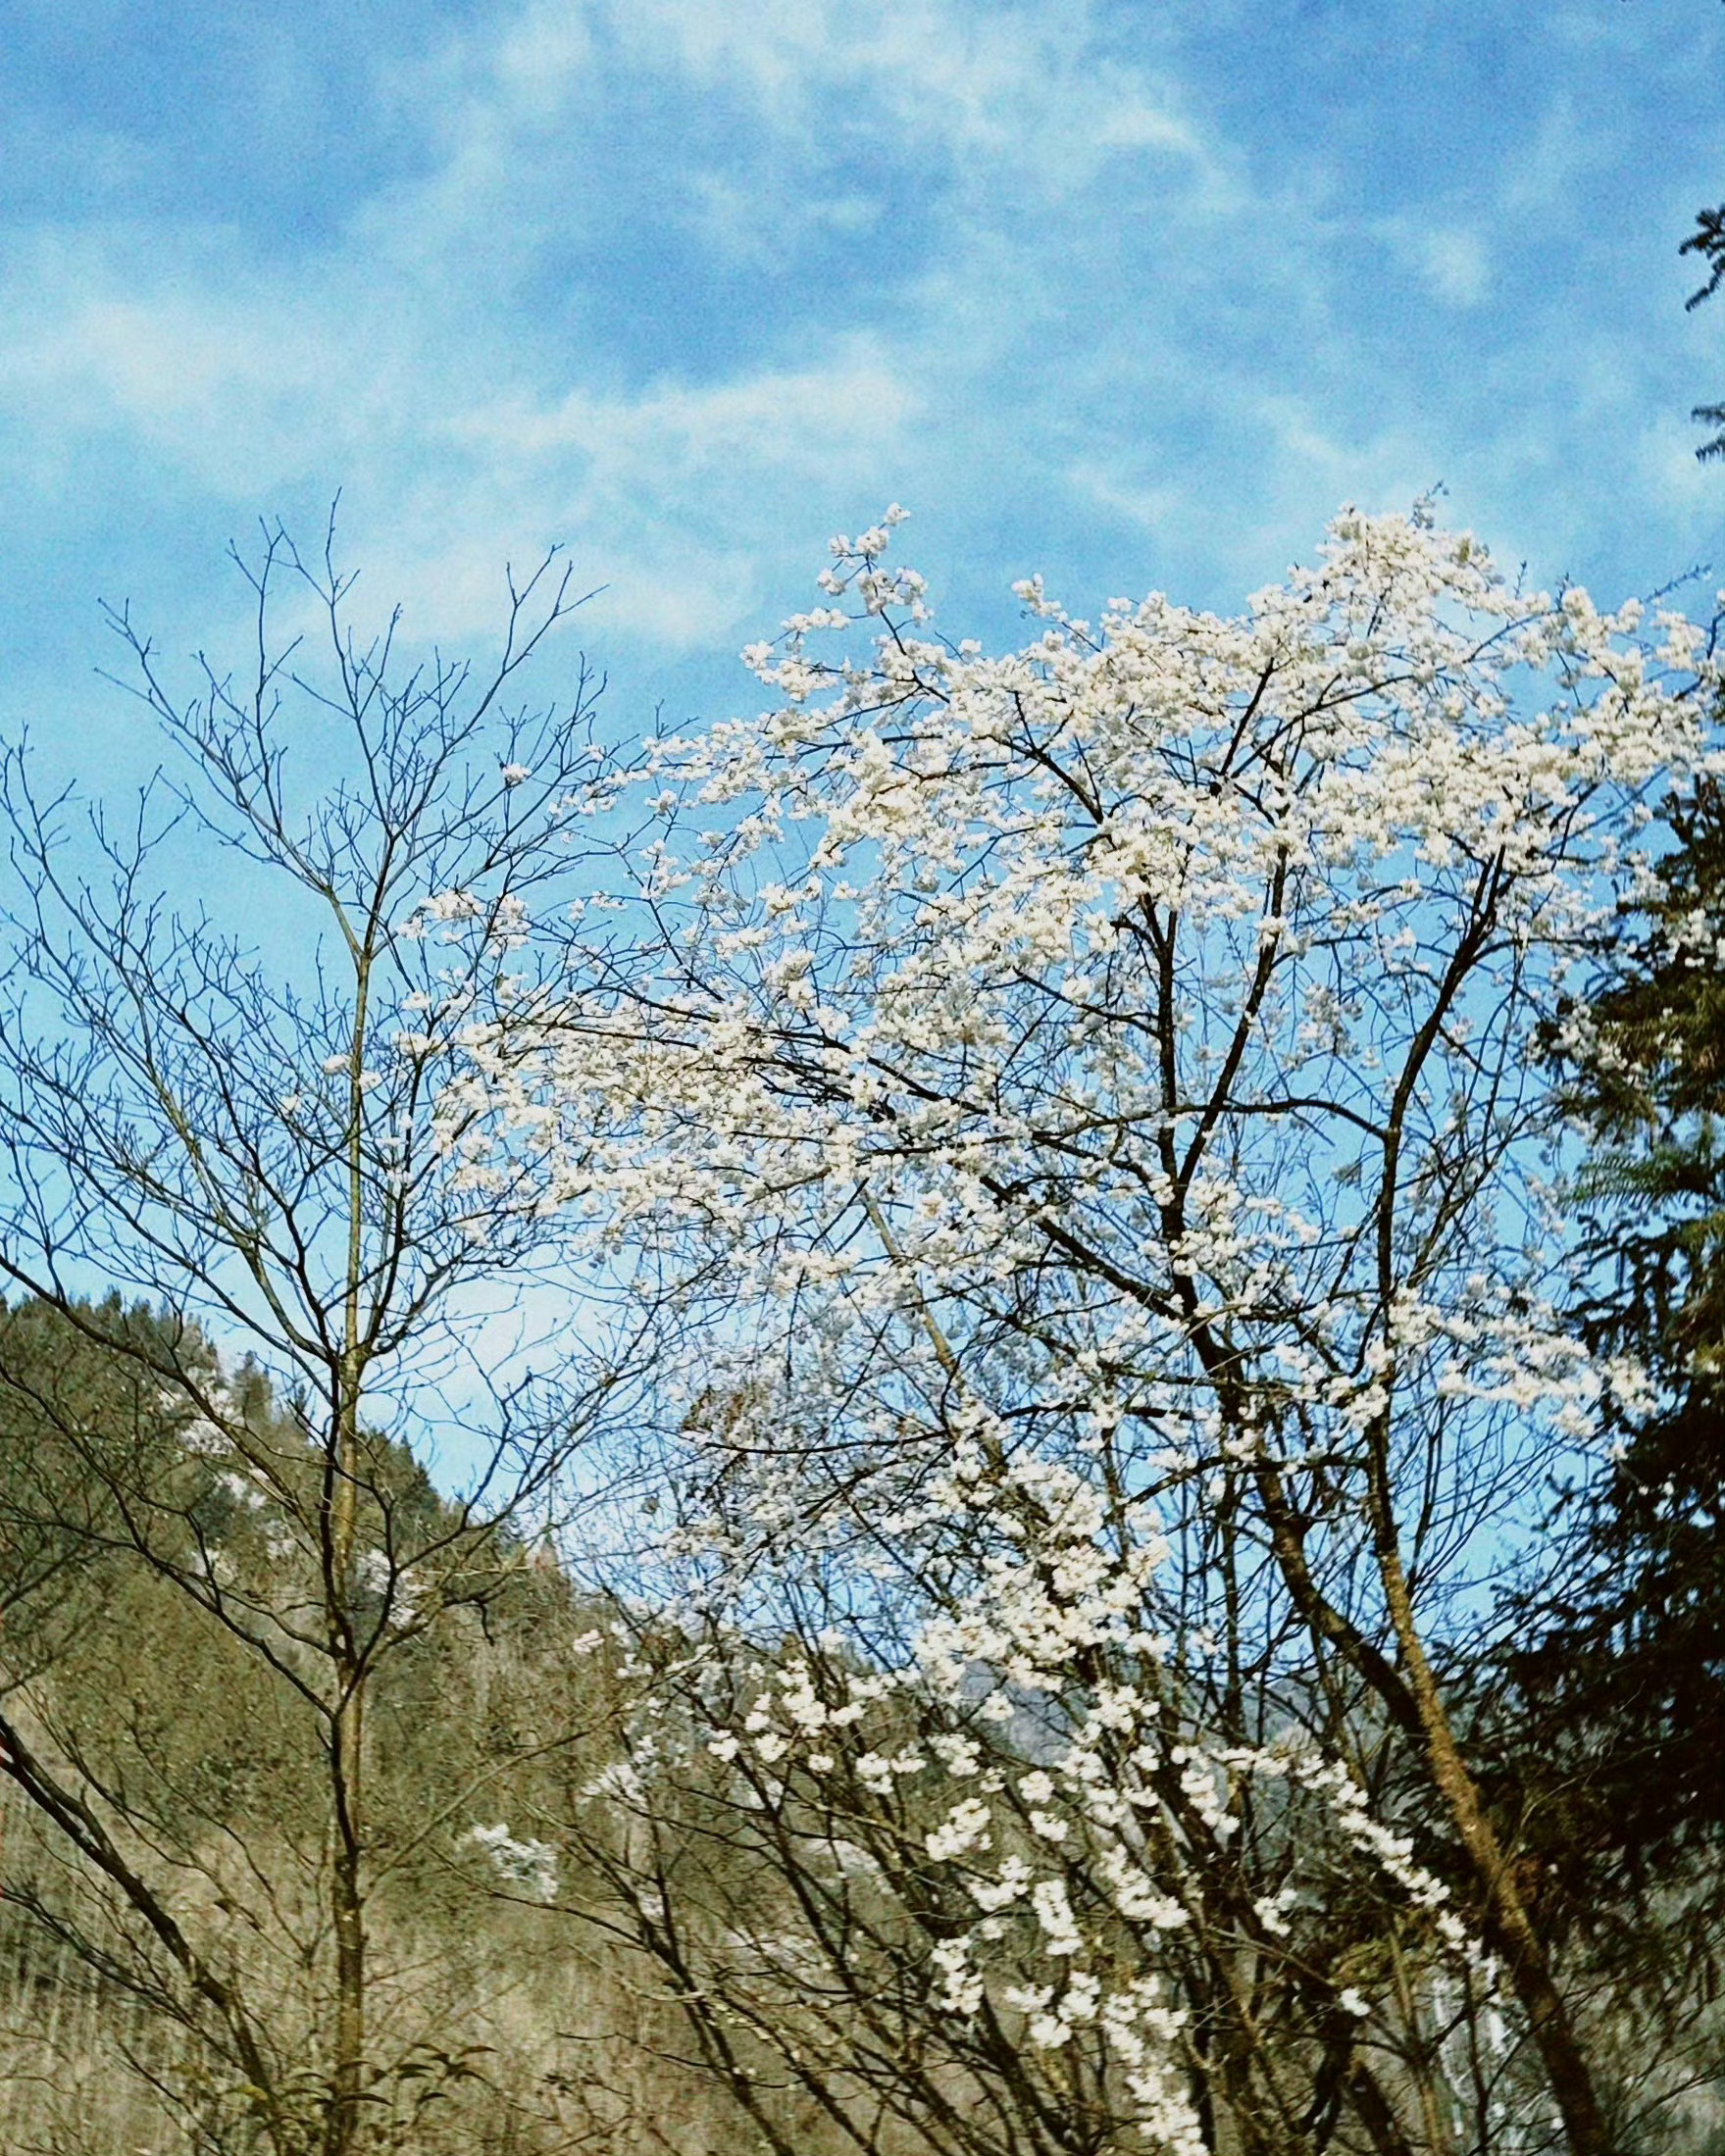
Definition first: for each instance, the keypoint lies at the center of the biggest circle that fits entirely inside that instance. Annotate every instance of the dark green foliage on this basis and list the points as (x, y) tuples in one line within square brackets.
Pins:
[(1621, 1668), (1708, 241)]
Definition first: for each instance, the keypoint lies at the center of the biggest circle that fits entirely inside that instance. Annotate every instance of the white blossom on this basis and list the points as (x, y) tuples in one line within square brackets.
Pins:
[(530, 1866)]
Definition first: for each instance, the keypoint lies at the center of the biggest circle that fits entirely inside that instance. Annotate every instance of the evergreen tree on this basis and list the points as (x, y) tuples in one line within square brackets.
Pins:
[(1708, 241), (1625, 1672)]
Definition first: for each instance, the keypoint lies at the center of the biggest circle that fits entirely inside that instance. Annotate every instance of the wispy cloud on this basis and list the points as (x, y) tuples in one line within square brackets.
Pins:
[(685, 282)]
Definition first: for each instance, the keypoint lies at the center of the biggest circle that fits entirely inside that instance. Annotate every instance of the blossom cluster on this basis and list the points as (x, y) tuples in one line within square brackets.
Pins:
[(1149, 944), (526, 1865)]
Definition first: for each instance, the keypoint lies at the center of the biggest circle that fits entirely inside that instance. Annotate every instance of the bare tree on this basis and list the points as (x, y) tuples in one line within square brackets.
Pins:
[(223, 1114)]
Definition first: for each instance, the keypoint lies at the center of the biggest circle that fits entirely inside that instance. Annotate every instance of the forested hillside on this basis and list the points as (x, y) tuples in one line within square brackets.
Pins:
[(561, 1959), (177, 1852)]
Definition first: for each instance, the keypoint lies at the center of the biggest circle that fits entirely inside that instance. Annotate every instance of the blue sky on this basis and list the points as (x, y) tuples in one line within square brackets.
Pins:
[(1133, 294)]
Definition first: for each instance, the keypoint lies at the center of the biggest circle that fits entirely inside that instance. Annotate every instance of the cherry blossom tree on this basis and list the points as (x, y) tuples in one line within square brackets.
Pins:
[(1089, 1098)]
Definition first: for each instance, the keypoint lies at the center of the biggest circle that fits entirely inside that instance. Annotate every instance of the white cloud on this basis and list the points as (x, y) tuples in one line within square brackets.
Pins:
[(1453, 262), (769, 417), (1456, 266), (999, 260), (399, 360), (248, 383), (1545, 167), (973, 98), (679, 498), (1670, 470)]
